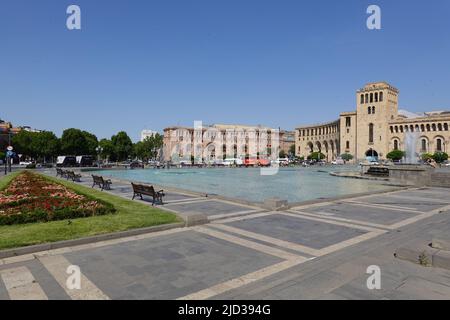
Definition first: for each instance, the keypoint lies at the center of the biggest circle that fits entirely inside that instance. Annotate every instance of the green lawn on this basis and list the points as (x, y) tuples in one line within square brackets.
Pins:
[(129, 215)]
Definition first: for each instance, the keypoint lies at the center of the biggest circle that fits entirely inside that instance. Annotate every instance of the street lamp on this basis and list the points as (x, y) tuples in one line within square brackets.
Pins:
[(99, 151)]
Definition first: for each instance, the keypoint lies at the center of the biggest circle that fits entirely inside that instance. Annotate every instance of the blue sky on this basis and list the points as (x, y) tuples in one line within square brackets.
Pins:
[(151, 64)]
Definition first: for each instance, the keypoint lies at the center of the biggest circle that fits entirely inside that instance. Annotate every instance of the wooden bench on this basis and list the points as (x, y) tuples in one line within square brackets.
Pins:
[(141, 189), (75, 177), (102, 183), (62, 173)]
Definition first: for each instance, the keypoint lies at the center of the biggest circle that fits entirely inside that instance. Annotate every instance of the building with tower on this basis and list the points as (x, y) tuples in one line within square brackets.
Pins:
[(375, 128)]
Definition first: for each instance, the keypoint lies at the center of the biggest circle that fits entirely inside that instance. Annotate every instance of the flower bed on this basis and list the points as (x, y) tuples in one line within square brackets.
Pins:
[(32, 198)]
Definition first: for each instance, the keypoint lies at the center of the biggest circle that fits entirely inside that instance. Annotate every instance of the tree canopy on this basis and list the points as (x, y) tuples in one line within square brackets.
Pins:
[(123, 147), (395, 155)]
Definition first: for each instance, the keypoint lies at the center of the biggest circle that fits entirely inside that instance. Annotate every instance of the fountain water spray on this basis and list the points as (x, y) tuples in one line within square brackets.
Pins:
[(411, 139)]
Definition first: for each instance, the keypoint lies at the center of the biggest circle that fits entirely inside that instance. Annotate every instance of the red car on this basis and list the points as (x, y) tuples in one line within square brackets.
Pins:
[(251, 162)]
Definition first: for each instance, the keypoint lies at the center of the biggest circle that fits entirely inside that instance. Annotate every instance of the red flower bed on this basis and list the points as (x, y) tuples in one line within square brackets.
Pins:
[(32, 198)]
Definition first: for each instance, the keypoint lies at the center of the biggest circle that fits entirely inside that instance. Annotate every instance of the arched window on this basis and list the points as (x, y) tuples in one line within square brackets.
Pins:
[(376, 96), (373, 110), (396, 129), (422, 128), (347, 145), (433, 126), (424, 145), (411, 128), (362, 99), (367, 98), (369, 110), (395, 144), (401, 129), (445, 126), (371, 133), (440, 127), (428, 127), (381, 96), (392, 129), (438, 145), (371, 97)]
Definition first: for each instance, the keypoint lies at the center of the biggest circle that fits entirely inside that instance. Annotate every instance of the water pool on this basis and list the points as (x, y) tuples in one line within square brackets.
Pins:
[(292, 184)]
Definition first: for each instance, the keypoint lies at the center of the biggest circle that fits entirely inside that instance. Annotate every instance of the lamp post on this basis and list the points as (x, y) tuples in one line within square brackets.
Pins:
[(9, 156), (99, 151)]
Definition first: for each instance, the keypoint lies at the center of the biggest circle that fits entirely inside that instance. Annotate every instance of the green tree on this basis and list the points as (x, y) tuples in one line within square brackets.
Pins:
[(91, 143), (73, 142), (107, 150), (2, 155), (22, 143), (282, 154), (123, 147), (426, 156), (440, 157), (395, 155), (346, 156), (292, 150), (149, 148), (45, 145), (141, 151), (316, 156), (155, 145)]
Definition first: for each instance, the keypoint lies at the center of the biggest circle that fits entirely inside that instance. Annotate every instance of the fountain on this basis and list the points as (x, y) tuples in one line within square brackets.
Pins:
[(411, 156), (411, 172)]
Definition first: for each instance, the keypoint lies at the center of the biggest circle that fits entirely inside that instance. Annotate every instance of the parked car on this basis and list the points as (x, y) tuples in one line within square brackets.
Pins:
[(136, 165), (25, 163), (338, 161), (281, 161), (233, 161)]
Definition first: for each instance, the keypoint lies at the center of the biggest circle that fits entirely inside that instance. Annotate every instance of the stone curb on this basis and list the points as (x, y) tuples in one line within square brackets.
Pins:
[(424, 255), (102, 237)]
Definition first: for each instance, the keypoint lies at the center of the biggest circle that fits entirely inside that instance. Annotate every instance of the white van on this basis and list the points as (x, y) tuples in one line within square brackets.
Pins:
[(232, 161)]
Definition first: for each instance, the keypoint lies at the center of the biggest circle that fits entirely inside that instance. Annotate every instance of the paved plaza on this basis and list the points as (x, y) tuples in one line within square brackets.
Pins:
[(314, 251)]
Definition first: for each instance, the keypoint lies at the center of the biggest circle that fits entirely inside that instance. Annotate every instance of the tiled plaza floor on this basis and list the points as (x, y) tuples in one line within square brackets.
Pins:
[(316, 251)]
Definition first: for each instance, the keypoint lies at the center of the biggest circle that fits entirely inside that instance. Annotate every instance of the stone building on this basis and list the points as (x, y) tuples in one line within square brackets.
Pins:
[(375, 128), (220, 141)]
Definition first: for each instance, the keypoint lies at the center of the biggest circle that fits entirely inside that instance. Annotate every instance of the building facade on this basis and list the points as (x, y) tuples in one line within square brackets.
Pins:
[(220, 141), (147, 133), (375, 128)]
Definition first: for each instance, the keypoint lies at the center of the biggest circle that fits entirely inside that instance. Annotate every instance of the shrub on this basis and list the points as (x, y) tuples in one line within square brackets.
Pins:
[(440, 157), (32, 198), (395, 155), (346, 156), (316, 156), (426, 156)]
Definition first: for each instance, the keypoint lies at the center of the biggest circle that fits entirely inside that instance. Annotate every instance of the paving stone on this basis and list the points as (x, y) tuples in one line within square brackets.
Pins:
[(313, 234), (416, 252), (208, 207), (178, 267), (441, 241), (420, 205), (362, 213), (441, 259)]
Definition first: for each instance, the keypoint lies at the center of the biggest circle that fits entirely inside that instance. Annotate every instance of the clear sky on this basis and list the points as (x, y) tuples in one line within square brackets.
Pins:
[(155, 63)]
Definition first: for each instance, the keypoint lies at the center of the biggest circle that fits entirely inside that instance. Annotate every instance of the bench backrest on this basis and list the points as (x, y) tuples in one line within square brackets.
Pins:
[(98, 179), (141, 188)]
